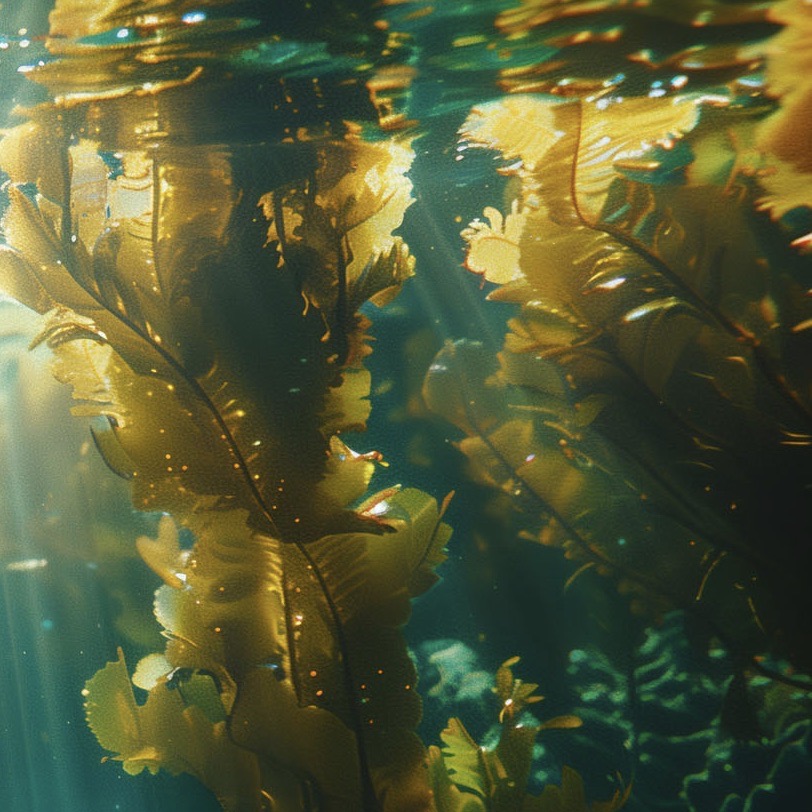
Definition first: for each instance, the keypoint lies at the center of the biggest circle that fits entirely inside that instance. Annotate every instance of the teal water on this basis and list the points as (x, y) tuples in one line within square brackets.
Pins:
[(666, 705)]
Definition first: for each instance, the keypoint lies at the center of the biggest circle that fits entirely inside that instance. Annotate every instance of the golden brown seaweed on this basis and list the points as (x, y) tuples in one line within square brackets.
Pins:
[(468, 777), (785, 133), (202, 300), (651, 401)]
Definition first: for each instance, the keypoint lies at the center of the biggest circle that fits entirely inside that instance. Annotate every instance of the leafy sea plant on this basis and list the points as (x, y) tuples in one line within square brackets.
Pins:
[(651, 404), (201, 299), (589, 46), (468, 777), (784, 134)]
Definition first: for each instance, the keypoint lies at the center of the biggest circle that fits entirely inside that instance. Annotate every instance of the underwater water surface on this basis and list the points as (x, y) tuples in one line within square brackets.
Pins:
[(405, 406)]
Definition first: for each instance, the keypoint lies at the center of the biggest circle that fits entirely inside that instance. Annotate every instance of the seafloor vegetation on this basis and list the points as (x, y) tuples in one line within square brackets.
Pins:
[(208, 214)]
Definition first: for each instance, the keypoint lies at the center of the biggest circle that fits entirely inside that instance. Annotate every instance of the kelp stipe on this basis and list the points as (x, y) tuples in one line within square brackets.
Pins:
[(199, 267), (650, 408)]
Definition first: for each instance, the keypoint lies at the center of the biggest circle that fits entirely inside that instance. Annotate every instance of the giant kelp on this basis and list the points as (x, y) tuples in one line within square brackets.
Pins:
[(198, 213), (200, 295), (784, 134), (651, 401), (468, 777)]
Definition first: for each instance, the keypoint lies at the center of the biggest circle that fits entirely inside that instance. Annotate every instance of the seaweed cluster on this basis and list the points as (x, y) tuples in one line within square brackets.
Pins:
[(651, 400), (201, 299), (199, 282), (698, 738), (204, 214)]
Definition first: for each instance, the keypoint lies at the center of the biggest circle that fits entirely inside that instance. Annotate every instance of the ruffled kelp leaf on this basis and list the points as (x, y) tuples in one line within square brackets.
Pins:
[(382, 277), (582, 144), (724, 149), (163, 555), (785, 134), (215, 401), (305, 643), (652, 250), (461, 755), (202, 303), (468, 776), (167, 733), (353, 661), (347, 227), (640, 247), (652, 389), (495, 251), (785, 190), (347, 407), (447, 795), (788, 66)]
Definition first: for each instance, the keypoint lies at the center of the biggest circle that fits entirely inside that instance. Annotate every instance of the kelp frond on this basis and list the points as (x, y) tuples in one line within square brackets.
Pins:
[(202, 302), (785, 134), (468, 777), (170, 733), (654, 373)]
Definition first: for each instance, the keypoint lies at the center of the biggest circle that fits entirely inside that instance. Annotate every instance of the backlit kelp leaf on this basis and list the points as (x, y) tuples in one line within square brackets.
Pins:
[(163, 554), (788, 66), (349, 228), (582, 142), (496, 255), (381, 278), (469, 777), (200, 269), (371, 580), (784, 134), (724, 149), (181, 327), (347, 407), (447, 795), (202, 303), (650, 392), (462, 759), (305, 644), (229, 612), (168, 733), (785, 190), (592, 240)]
